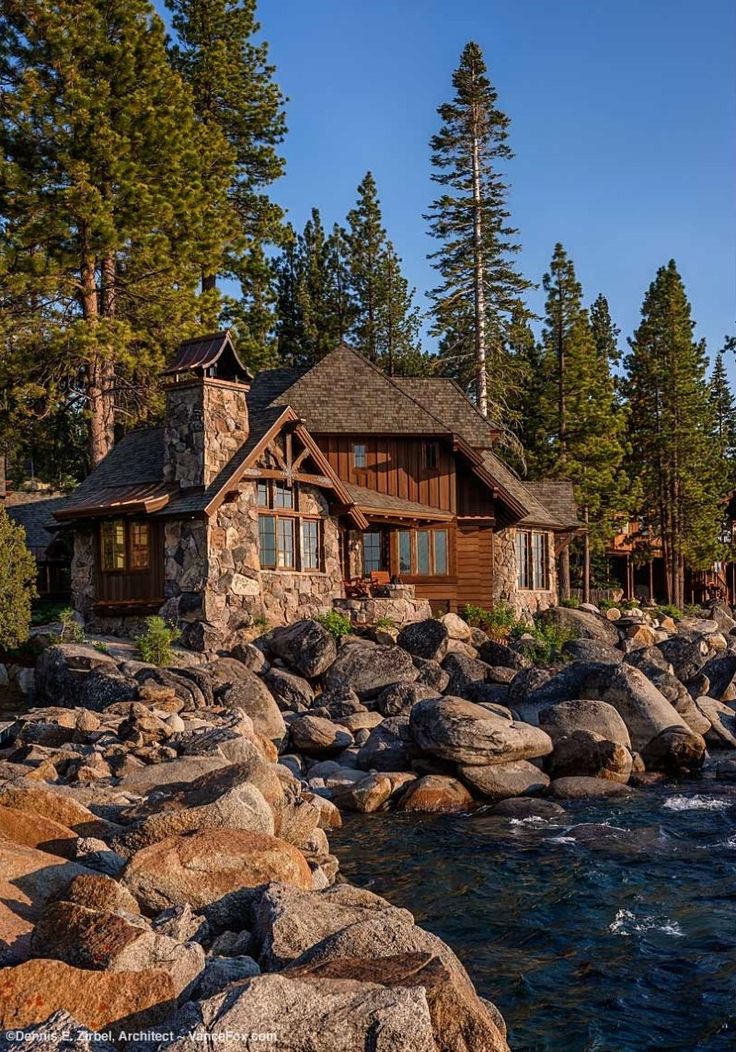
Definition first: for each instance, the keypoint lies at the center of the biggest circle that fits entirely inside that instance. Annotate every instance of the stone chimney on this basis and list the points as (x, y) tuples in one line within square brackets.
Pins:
[(206, 410)]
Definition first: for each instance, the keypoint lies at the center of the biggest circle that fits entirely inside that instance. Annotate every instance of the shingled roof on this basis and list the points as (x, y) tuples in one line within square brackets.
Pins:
[(378, 505), (559, 497), (33, 511)]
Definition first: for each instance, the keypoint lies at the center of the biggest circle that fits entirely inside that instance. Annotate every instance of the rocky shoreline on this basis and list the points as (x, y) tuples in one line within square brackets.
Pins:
[(166, 867)]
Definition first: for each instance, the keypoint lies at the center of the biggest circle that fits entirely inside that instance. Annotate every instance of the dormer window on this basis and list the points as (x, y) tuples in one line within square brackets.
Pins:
[(360, 455)]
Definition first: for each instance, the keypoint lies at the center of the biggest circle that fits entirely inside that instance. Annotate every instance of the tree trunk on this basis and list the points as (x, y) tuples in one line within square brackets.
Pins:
[(209, 282), (564, 571), (561, 367), (586, 561), (481, 377), (99, 387)]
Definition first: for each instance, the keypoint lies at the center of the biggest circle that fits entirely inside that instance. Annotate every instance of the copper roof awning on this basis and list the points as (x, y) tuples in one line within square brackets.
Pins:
[(205, 351), (140, 499)]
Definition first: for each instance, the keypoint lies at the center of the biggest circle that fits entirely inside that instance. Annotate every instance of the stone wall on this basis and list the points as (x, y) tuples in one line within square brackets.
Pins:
[(505, 589), (83, 570), (206, 424)]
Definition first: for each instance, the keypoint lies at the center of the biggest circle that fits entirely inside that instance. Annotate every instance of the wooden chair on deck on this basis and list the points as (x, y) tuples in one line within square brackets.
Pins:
[(379, 579)]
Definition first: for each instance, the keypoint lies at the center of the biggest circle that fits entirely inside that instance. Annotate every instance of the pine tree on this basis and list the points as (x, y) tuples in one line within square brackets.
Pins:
[(481, 288), (723, 409), (398, 320), (315, 308), (366, 239), (671, 428), (524, 413), (582, 425), (605, 333), (102, 201), (235, 94)]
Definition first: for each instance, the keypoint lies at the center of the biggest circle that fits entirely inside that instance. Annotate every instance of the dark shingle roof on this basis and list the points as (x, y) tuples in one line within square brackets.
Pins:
[(537, 513), (345, 393), (559, 497), (34, 511), (446, 400)]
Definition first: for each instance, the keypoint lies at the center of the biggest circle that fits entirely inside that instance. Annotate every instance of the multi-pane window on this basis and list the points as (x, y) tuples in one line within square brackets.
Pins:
[(532, 560), (430, 455), (372, 551), (423, 553), (360, 456), (124, 545), (287, 541), (113, 545)]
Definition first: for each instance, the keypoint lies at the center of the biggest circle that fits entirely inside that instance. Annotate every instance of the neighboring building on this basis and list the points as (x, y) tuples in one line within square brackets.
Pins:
[(267, 497), (33, 508)]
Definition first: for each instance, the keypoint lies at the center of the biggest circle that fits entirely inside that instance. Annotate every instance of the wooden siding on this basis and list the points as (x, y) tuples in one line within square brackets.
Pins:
[(474, 560), (394, 466), (473, 497), (126, 586)]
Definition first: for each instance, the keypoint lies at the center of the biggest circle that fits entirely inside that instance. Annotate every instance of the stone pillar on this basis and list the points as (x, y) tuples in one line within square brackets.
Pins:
[(206, 423)]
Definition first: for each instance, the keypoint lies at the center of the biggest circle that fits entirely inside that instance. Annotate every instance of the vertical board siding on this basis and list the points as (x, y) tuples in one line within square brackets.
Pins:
[(474, 542)]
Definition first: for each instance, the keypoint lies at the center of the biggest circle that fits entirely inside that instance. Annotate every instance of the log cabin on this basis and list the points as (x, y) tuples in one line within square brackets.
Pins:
[(273, 497)]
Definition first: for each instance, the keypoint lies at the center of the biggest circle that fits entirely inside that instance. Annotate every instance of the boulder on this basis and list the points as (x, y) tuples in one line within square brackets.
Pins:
[(99, 1000), (581, 788), (466, 673), (722, 718), (498, 654), (291, 691), (182, 771), (679, 696), (499, 781), (465, 733), (460, 1023), (398, 699), (28, 878), (686, 654), (456, 627), (591, 650), (585, 753), (583, 715), (98, 892), (251, 696), (31, 830), (60, 1033), (431, 674), (61, 670), (388, 747), (56, 806), (647, 714), (584, 623), (218, 867), (251, 656), (319, 737), (435, 793), (721, 672), (368, 669), (674, 751), (722, 614), (305, 646), (104, 941), (426, 639), (323, 1015), (222, 800), (529, 807), (373, 791), (220, 972)]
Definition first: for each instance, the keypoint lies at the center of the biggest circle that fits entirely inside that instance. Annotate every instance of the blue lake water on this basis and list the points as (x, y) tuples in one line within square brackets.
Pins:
[(611, 929)]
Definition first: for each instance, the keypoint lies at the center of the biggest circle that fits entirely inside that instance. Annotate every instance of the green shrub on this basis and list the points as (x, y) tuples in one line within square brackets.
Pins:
[(337, 624), (17, 583), (384, 622), (71, 631), (497, 623), (668, 610), (155, 643), (103, 648), (571, 604)]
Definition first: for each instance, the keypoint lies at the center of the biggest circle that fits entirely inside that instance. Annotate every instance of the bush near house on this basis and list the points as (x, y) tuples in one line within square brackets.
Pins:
[(336, 623), (156, 642), (17, 583)]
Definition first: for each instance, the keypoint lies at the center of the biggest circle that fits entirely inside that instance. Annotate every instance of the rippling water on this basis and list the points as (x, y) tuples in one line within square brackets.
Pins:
[(611, 928)]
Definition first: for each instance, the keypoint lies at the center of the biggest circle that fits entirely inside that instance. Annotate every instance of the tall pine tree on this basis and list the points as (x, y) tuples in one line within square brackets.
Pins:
[(583, 426), (723, 408), (671, 427), (103, 205), (480, 289), (366, 238), (235, 94)]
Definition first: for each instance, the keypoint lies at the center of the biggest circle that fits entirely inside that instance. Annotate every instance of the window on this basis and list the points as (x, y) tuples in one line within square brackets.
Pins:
[(372, 551), (139, 546), (423, 553), (310, 544), (113, 545), (124, 546), (286, 540), (430, 455), (532, 560), (360, 456)]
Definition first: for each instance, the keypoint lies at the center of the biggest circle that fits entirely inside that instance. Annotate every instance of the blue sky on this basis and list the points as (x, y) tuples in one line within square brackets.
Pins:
[(623, 124)]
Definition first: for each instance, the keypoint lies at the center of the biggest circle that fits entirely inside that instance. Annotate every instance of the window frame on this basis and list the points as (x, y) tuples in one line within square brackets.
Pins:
[(128, 525), (382, 554), (527, 579), (360, 460), (431, 532), (280, 514), (431, 455)]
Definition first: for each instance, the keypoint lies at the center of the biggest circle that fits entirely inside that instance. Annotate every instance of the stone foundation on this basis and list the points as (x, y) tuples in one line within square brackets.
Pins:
[(400, 607)]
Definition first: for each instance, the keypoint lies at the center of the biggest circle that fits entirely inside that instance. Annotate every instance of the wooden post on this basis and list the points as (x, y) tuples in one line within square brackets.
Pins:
[(586, 561), (651, 580), (564, 565)]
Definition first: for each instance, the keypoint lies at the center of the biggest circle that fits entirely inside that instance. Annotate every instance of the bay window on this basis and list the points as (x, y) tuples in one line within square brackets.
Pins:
[(423, 553)]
